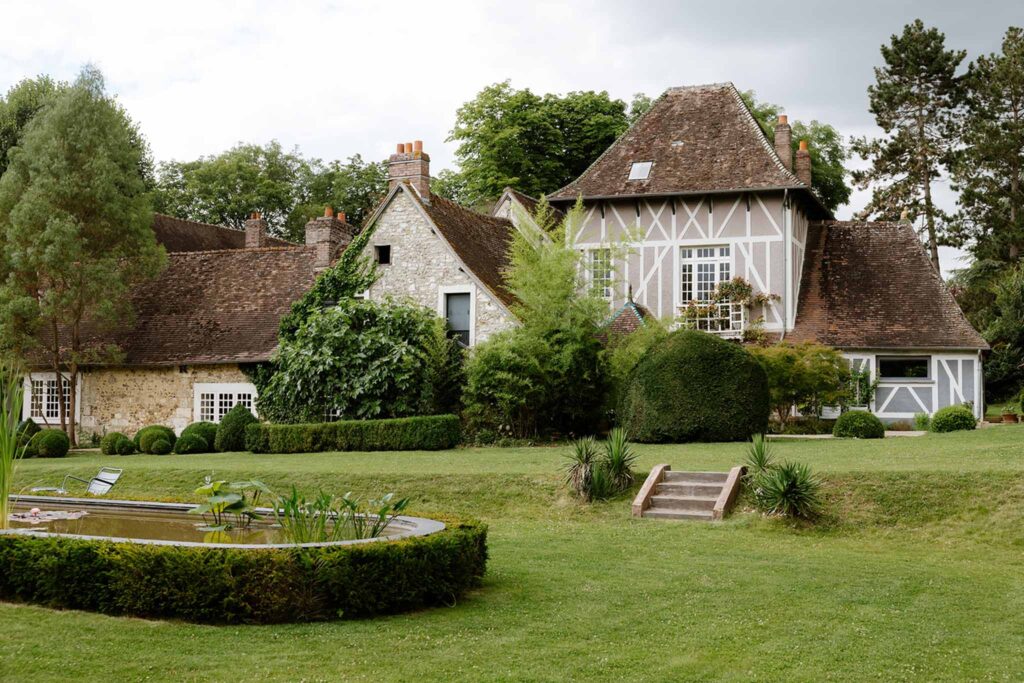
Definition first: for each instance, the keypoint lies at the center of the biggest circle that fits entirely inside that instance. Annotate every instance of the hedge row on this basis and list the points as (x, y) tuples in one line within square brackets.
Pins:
[(430, 433), (249, 586)]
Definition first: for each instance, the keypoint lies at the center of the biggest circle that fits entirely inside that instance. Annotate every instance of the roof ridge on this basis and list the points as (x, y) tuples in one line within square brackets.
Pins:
[(213, 225), (244, 250)]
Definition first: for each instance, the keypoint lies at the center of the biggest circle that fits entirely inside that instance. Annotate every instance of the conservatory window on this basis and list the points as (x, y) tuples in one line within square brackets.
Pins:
[(214, 401)]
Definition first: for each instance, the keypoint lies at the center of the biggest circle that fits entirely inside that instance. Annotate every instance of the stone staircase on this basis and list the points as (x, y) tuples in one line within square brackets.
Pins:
[(687, 495)]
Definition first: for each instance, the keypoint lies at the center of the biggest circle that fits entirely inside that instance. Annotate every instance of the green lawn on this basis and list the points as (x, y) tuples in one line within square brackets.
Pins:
[(915, 574)]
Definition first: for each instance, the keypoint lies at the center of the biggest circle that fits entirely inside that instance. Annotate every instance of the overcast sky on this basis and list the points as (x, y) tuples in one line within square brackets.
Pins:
[(339, 78)]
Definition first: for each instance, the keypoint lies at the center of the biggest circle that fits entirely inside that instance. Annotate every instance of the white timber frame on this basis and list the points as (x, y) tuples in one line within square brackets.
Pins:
[(444, 290), (212, 400), (41, 402)]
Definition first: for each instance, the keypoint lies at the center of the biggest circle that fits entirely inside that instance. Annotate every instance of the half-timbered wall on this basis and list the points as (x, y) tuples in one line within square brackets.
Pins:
[(765, 236)]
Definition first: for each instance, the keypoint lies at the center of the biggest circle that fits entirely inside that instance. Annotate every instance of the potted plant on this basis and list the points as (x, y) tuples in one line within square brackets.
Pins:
[(1009, 414)]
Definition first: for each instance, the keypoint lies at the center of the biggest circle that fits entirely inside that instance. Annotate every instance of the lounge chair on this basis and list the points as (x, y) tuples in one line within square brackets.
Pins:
[(99, 485)]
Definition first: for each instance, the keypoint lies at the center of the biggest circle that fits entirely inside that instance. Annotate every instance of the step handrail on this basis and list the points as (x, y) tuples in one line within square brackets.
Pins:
[(730, 490), (643, 496)]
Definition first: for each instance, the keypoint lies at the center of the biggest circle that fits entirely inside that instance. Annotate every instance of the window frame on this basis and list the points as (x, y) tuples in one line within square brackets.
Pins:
[(442, 306), (689, 260), (29, 394), (377, 252), (607, 289), (634, 166), (217, 390), (928, 378)]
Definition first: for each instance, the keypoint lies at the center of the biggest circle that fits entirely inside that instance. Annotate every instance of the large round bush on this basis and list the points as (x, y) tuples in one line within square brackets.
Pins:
[(953, 419), (25, 431), (858, 424), (207, 431), (49, 443), (189, 444), (147, 436), (231, 431), (108, 444), (694, 386)]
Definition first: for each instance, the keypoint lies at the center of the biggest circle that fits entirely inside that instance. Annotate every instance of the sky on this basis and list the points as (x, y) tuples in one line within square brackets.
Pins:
[(341, 78)]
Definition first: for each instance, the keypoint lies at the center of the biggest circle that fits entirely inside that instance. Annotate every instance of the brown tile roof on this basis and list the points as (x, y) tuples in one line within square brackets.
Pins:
[(481, 242), (214, 307), (178, 235), (871, 286), (700, 139), (628, 319)]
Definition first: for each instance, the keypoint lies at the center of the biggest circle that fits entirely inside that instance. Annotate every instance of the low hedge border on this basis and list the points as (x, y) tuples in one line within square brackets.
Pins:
[(244, 586), (428, 433)]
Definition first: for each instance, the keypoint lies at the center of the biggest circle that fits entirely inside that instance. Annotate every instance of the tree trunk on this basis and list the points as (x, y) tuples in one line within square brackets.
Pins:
[(1014, 198), (929, 214)]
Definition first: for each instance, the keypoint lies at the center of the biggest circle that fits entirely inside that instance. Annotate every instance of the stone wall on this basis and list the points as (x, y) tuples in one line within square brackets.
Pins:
[(421, 265), (125, 399)]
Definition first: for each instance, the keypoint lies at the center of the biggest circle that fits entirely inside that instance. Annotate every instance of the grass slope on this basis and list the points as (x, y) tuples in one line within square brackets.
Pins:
[(915, 575)]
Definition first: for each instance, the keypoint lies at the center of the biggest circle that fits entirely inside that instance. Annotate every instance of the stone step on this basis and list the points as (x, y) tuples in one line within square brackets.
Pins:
[(702, 515), (693, 503), (703, 477), (679, 488)]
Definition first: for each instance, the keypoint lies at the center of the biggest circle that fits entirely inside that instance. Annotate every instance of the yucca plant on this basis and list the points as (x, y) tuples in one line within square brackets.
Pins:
[(11, 450), (760, 455), (580, 466), (602, 485), (789, 489), (619, 459)]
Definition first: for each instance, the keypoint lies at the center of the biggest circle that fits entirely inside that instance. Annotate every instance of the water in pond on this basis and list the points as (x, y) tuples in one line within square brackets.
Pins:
[(151, 525)]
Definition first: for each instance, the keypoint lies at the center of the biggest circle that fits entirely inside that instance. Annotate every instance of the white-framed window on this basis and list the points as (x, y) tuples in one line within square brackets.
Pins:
[(903, 368), (599, 266), (640, 170), (212, 401), (42, 400), (457, 305), (702, 269)]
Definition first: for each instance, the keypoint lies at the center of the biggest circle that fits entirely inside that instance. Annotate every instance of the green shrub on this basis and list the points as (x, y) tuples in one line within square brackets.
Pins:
[(147, 436), (108, 444), (858, 424), (694, 386), (953, 419), (788, 489), (234, 585), (49, 443), (124, 446), (808, 376), (26, 429), (760, 455), (207, 431), (597, 477), (188, 444), (429, 433), (231, 430), (922, 421), (160, 446)]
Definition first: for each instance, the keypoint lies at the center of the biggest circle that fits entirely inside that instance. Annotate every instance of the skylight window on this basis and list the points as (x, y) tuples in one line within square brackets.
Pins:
[(640, 170)]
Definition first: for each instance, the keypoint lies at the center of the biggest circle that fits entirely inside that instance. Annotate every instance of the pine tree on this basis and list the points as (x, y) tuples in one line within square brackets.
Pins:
[(916, 100), (989, 170), (75, 231)]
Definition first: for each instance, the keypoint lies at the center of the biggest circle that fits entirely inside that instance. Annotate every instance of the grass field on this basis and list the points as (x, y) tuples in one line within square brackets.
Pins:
[(916, 573)]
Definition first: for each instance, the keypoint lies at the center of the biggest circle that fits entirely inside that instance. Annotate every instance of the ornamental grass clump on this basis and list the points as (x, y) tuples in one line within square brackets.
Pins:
[(596, 475), (326, 519), (11, 396), (784, 489)]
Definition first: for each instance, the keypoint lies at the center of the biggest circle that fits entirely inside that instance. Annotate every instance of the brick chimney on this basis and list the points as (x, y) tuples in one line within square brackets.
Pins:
[(803, 164), (256, 232), (329, 236), (784, 141), (410, 164)]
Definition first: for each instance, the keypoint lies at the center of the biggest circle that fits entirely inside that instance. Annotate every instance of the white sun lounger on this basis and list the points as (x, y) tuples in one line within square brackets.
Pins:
[(99, 485)]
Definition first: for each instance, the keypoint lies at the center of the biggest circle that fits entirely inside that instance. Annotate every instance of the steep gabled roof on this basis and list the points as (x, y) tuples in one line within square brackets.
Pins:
[(528, 203), (701, 139), (179, 235), (628, 319), (872, 286)]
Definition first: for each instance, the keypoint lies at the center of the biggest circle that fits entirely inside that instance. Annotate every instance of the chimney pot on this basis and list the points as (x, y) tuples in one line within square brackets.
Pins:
[(803, 164), (401, 148), (341, 216), (417, 146), (411, 165), (328, 236), (783, 118), (408, 148), (328, 212), (803, 145), (256, 232)]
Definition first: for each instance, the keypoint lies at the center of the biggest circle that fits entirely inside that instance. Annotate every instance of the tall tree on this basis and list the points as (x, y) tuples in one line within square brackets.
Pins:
[(75, 231), (989, 168), (828, 153), (23, 101), (638, 106), (354, 186), (534, 143), (916, 100)]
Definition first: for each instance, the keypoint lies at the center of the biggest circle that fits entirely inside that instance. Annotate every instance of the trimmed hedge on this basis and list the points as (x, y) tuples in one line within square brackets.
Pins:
[(694, 386), (160, 446), (207, 431), (426, 433), (189, 444), (953, 419), (231, 430), (147, 436), (124, 446), (49, 443), (109, 442), (244, 586), (858, 424)]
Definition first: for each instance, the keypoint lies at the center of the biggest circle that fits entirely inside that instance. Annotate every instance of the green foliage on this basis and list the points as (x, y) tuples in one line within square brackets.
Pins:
[(760, 455), (353, 186), (160, 446), (22, 102), (989, 165), (619, 459), (953, 419), (424, 433), (625, 352), (916, 101), (579, 466), (694, 386), (108, 444), (363, 359), (922, 421), (25, 431), (599, 475), (1004, 369), (325, 519), (235, 585), (12, 394), (808, 376), (229, 505), (231, 430), (147, 436), (858, 424), (49, 443), (188, 444), (537, 144), (125, 446), (205, 431), (789, 490)]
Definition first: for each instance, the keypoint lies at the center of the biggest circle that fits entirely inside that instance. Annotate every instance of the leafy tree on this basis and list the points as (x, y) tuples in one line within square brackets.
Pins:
[(75, 230), (23, 101), (534, 143), (806, 376), (825, 144), (1004, 369), (638, 106), (989, 169), (355, 187), (916, 100)]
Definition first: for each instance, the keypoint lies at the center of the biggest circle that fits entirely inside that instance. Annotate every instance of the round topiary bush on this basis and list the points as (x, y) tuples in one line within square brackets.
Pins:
[(108, 444), (124, 446), (25, 430), (953, 419), (694, 386), (146, 436), (207, 431), (231, 431), (190, 443), (160, 446), (858, 424), (50, 443)]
